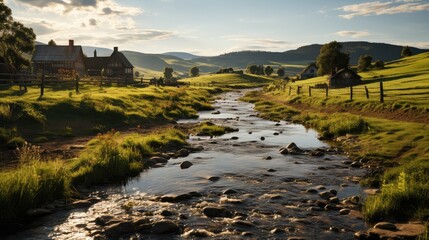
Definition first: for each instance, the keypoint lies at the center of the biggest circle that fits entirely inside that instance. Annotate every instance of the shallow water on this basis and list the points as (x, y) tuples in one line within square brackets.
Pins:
[(268, 199)]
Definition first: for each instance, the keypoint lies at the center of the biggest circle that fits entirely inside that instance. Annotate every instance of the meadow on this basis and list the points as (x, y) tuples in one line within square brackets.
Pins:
[(392, 137)]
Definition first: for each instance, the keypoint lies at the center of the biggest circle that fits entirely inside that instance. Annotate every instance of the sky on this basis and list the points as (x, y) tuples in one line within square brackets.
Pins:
[(213, 27)]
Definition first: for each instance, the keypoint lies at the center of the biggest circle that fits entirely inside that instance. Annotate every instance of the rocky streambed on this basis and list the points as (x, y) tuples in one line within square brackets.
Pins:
[(247, 184)]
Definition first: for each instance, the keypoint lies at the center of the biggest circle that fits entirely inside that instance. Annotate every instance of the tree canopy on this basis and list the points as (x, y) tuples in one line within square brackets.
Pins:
[(53, 43), (364, 62), (331, 58), (281, 72), (379, 64), (194, 71), (15, 39), (168, 73), (269, 70), (406, 52)]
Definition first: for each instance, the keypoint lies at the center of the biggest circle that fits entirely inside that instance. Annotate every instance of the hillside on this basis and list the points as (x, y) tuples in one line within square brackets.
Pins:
[(293, 60)]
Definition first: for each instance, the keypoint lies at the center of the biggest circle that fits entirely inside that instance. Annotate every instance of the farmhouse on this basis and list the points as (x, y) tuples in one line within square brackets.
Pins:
[(309, 72), (54, 59), (344, 78), (117, 65)]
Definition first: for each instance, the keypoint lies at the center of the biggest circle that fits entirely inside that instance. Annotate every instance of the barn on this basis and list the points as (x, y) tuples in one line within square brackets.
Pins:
[(344, 78)]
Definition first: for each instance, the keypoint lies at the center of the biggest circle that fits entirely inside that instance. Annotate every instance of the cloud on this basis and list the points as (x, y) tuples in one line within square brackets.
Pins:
[(352, 34), (382, 8), (102, 7), (246, 43)]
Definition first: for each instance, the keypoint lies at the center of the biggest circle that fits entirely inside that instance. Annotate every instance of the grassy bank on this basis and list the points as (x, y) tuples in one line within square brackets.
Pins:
[(401, 148), (229, 81), (109, 158)]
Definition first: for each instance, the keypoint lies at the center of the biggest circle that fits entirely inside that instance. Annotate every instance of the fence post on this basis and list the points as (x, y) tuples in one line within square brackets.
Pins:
[(351, 92), (101, 81), (42, 85), (309, 91), (381, 91), (77, 84), (326, 89), (366, 92), (290, 90), (297, 90)]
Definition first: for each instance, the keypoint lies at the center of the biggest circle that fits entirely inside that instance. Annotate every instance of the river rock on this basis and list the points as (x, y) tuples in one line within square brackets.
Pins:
[(271, 170), (199, 233), (161, 227), (317, 153), (262, 138), (185, 165), (104, 220), (268, 158), (234, 138), (334, 200), (326, 195), (278, 231), (38, 212), (284, 151), (385, 225), (84, 203), (396, 231), (356, 164), (293, 148), (118, 229), (216, 112), (217, 212), (214, 178), (175, 198), (166, 213), (333, 191), (182, 152), (344, 211), (229, 191), (158, 160), (242, 223)]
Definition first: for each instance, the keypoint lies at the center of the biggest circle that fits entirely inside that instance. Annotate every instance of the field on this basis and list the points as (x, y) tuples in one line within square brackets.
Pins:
[(391, 137), (229, 80)]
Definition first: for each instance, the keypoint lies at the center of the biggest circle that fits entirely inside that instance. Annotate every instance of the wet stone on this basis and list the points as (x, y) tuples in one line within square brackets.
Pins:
[(214, 179), (268, 158), (262, 138), (276, 134), (385, 225), (333, 191), (185, 165), (118, 229), (312, 191), (271, 170), (217, 212), (229, 191), (234, 138), (334, 200), (277, 231), (326, 195), (166, 213), (158, 160), (242, 223), (344, 211), (334, 229), (161, 227), (200, 233)]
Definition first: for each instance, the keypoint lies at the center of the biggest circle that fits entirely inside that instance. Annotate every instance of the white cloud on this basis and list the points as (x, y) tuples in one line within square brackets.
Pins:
[(352, 34), (247, 43), (381, 8)]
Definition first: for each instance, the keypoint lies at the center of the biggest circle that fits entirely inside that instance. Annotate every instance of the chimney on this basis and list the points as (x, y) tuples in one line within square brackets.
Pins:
[(71, 45), (115, 49), (95, 53)]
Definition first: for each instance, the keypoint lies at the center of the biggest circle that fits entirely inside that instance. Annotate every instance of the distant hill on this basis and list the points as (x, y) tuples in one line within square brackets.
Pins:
[(293, 60), (182, 55)]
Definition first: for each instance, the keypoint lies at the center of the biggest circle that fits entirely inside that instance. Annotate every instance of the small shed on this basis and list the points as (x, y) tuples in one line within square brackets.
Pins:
[(309, 72), (52, 59), (344, 78)]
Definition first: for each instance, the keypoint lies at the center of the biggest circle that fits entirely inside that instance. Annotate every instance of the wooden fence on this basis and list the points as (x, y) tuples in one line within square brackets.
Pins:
[(322, 89), (43, 81)]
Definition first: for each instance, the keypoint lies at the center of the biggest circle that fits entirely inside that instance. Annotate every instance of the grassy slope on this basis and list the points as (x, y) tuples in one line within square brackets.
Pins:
[(401, 146), (230, 80)]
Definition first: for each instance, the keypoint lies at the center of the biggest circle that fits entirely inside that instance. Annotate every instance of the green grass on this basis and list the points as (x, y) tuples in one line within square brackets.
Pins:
[(405, 82), (381, 142), (229, 81), (210, 129)]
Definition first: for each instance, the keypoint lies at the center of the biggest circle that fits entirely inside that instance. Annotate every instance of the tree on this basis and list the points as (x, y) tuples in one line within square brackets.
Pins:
[(52, 43), (281, 72), (269, 70), (406, 52), (168, 73), (137, 74), (379, 64), (331, 58), (251, 69), (15, 39), (364, 62), (194, 71)]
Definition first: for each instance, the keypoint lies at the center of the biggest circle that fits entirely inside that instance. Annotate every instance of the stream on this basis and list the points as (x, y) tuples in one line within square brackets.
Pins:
[(239, 186)]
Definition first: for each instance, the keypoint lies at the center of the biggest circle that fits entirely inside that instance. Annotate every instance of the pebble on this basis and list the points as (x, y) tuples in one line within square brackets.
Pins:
[(185, 165), (344, 211)]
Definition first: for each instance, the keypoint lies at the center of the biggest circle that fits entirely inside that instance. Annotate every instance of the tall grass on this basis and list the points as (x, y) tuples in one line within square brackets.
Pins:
[(32, 184), (402, 199), (210, 129)]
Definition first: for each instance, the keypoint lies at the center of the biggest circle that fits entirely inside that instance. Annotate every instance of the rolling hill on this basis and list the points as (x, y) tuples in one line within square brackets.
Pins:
[(293, 60)]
